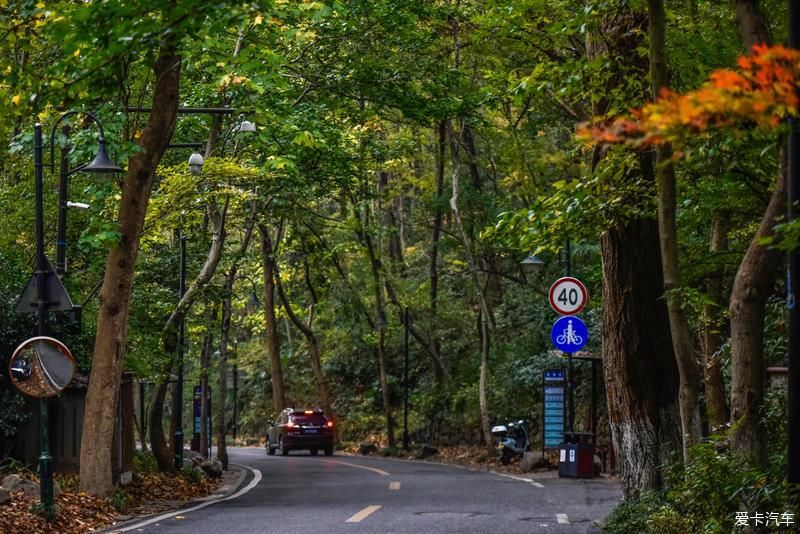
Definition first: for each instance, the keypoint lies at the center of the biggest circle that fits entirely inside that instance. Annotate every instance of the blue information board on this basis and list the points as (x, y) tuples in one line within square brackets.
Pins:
[(553, 427), (569, 334)]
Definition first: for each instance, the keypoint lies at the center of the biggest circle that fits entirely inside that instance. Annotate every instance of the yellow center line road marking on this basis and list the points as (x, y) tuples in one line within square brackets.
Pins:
[(363, 514), (373, 469), (394, 485)]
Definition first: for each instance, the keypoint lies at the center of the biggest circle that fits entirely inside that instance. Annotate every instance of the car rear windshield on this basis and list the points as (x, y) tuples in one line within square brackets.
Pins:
[(315, 419)]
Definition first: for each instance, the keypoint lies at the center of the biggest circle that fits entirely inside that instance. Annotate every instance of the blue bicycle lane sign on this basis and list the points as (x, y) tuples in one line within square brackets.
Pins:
[(569, 334)]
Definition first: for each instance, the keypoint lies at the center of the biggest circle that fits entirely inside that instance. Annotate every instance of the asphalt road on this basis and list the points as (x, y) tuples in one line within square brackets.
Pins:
[(350, 494)]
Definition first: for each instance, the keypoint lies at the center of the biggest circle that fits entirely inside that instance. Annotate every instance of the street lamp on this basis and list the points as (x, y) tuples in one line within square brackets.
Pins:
[(45, 276)]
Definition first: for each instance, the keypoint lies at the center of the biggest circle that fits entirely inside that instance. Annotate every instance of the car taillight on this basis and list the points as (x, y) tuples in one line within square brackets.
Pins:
[(290, 425), (308, 412), (330, 424)]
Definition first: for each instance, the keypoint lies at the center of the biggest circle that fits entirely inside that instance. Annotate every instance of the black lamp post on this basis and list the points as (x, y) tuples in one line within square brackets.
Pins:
[(46, 302)]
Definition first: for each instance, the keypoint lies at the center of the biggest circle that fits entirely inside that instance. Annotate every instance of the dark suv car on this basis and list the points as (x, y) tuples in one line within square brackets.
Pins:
[(297, 429)]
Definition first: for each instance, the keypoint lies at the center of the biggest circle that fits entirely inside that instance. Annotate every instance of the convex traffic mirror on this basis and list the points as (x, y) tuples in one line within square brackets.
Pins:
[(41, 367)]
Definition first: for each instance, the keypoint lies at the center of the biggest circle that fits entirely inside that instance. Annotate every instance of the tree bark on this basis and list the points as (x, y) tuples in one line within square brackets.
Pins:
[(222, 384), (711, 335), (380, 324), (169, 335), (205, 360), (641, 377), (751, 287), (691, 424), (273, 344), (753, 26), (486, 319), (158, 441), (109, 350), (750, 290), (222, 381)]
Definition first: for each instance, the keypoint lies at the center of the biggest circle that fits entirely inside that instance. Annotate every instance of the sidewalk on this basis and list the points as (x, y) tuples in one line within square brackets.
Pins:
[(232, 480)]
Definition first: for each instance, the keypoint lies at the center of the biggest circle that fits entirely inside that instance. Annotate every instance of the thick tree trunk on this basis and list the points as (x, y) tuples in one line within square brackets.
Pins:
[(112, 322), (641, 377), (273, 346), (751, 287), (753, 26), (691, 425), (158, 441), (711, 331)]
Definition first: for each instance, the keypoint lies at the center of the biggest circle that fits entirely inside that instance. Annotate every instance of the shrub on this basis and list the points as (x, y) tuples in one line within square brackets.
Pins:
[(119, 499), (704, 495), (144, 462)]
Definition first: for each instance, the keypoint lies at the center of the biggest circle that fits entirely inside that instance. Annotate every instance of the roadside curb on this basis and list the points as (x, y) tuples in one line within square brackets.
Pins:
[(226, 490)]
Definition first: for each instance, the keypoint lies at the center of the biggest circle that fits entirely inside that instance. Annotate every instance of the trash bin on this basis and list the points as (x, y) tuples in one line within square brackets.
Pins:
[(575, 459)]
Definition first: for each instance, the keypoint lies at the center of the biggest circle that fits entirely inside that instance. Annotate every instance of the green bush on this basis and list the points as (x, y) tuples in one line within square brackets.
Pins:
[(119, 499), (704, 495), (144, 462), (192, 474)]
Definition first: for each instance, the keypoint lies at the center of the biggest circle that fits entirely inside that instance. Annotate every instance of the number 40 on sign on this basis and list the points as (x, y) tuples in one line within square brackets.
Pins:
[(568, 296)]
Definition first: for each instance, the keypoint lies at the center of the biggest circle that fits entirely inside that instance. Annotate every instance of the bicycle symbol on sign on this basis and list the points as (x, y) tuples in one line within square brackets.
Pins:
[(569, 337)]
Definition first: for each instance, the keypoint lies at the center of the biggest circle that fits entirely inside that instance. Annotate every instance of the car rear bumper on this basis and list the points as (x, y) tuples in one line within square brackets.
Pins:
[(307, 442)]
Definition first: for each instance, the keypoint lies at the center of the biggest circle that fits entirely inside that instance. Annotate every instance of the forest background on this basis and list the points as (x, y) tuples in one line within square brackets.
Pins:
[(408, 156)]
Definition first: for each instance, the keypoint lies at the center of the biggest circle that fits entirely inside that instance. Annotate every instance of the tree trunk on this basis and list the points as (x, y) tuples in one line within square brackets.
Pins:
[(751, 287), (486, 318), (158, 441), (438, 215), (711, 335), (691, 425), (222, 383), (313, 348), (273, 345), (380, 324), (750, 290), (205, 360), (169, 335), (641, 377), (112, 322), (753, 26)]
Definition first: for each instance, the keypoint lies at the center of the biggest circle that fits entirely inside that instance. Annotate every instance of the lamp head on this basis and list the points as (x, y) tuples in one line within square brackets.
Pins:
[(247, 126), (532, 262), (196, 164), (101, 162)]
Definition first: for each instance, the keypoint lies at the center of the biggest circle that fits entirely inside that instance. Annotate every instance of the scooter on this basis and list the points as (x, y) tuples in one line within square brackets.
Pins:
[(512, 441)]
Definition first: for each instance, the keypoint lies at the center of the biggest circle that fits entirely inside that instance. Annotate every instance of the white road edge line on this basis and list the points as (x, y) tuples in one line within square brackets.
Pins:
[(520, 479), (562, 519), (363, 514), (394, 485), (373, 469), (253, 483)]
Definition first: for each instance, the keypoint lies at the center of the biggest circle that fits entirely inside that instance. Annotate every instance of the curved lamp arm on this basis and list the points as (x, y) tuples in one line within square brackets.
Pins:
[(58, 121)]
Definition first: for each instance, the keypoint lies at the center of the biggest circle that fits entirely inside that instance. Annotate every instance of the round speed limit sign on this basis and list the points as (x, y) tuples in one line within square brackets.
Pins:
[(568, 296)]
